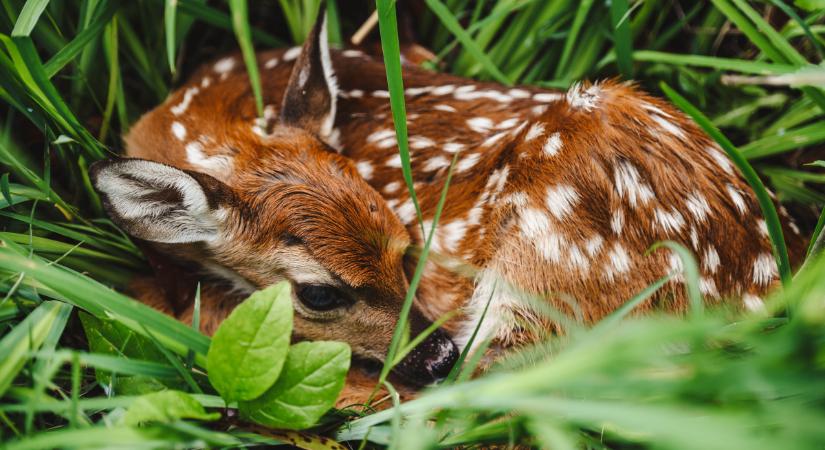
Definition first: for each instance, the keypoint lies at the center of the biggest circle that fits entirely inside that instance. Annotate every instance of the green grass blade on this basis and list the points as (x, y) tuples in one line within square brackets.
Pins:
[(450, 22), (622, 38), (240, 24), (28, 17), (170, 10)]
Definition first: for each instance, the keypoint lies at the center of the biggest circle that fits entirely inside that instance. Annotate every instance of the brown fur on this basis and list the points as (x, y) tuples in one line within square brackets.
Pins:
[(513, 174)]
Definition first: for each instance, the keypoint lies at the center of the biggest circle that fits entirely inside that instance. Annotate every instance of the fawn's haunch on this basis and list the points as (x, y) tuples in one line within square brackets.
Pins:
[(555, 196)]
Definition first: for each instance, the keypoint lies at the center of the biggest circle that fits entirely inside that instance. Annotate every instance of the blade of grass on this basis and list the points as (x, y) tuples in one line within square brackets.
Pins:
[(28, 17), (240, 24), (622, 39)]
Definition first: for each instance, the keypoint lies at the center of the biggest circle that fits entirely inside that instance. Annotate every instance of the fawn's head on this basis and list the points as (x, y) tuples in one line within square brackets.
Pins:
[(295, 210)]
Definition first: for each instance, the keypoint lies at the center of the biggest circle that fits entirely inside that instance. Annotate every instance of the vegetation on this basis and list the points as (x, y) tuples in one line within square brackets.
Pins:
[(84, 366)]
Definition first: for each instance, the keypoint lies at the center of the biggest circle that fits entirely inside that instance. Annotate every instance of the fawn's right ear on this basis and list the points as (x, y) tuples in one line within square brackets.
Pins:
[(159, 203), (309, 99)]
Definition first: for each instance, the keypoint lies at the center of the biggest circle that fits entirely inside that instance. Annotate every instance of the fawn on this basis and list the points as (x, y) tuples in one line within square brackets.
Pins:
[(555, 195)]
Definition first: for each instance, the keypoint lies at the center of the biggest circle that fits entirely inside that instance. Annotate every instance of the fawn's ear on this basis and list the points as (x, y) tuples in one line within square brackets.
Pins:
[(159, 203), (309, 100)]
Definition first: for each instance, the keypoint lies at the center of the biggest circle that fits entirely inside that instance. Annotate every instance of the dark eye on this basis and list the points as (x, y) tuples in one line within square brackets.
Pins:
[(320, 297)]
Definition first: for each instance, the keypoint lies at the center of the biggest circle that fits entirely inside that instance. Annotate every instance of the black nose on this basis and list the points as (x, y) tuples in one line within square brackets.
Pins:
[(430, 361)]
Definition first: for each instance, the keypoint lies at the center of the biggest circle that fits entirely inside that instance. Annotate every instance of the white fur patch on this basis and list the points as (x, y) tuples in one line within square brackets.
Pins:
[(668, 126), (392, 187), (292, 53), (553, 144), (350, 53), (453, 147), (698, 205), (394, 161), (533, 223), (547, 97), (443, 90), (593, 245), (406, 211), (181, 107), (480, 124), (753, 303), (708, 287), (617, 221), (435, 163), (764, 269), (518, 93), (711, 261), (271, 63), (629, 184), (668, 221), (737, 198), (585, 99), (560, 200), (178, 130), (618, 262), (421, 142), (365, 168), (468, 162), (224, 65), (536, 130), (219, 166), (381, 94), (721, 159), (443, 107)]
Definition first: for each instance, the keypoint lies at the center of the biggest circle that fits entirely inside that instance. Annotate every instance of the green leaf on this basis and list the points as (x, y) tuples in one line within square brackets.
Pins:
[(313, 376), (250, 346), (166, 406), (112, 338)]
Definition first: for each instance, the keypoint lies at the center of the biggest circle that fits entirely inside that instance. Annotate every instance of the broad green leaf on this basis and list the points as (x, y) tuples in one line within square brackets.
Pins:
[(166, 406), (250, 346), (113, 338), (312, 378)]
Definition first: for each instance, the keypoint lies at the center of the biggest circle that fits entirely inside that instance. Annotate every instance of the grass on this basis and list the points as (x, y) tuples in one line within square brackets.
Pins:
[(75, 75)]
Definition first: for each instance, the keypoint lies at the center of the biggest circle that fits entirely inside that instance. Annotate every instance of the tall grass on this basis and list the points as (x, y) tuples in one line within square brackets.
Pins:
[(75, 75)]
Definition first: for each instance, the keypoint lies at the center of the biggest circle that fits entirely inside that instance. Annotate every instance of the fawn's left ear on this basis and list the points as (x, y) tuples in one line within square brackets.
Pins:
[(309, 100)]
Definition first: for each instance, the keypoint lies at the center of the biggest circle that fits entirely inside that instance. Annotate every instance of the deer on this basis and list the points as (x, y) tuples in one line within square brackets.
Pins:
[(555, 195)]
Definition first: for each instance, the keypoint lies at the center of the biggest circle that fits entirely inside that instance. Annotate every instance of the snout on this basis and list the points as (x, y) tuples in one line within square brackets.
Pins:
[(431, 361)]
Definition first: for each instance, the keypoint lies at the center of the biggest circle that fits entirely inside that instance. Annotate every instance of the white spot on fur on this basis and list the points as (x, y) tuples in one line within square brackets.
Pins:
[(381, 94), (380, 135), (707, 286), (443, 107), (547, 97), (435, 163), (711, 261), (394, 161), (492, 140), (561, 199), (453, 147), (480, 124), (533, 222), (585, 99), (763, 227), (618, 262), (392, 187), (218, 165), (224, 65), (753, 303), (350, 53), (629, 185), (737, 198), (764, 269), (518, 93), (536, 130), (406, 211), (271, 63), (698, 205), (413, 91), (421, 142), (553, 144), (668, 126), (539, 109), (669, 221), (617, 221), (518, 199), (365, 168), (444, 90), (468, 162), (355, 93), (206, 82), (508, 123), (292, 53), (721, 159), (179, 130), (188, 95), (593, 245)]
